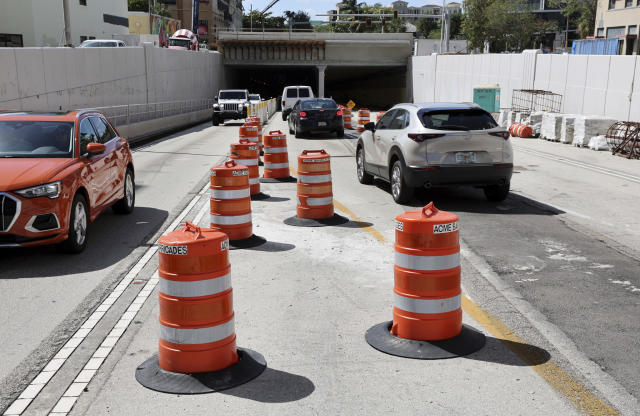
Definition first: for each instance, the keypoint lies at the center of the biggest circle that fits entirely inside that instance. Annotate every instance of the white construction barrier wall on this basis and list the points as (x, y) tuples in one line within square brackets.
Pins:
[(607, 86), (69, 78)]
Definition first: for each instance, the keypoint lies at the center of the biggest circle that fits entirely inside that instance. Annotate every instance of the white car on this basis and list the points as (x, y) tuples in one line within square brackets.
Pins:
[(255, 98), (291, 95), (102, 43), (436, 145)]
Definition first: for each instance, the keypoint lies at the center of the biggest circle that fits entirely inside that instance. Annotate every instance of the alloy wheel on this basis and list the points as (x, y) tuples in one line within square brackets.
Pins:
[(396, 178), (80, 223)]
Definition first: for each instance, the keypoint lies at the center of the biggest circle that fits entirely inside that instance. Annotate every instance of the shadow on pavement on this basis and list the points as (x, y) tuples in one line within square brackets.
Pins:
[(472, 200), (111, 238), (519, 354), (276, 199), (274, 386), (273, 247)]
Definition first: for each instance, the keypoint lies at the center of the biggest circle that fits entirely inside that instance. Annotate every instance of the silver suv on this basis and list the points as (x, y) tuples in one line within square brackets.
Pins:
[(230, 104), (436, 145)]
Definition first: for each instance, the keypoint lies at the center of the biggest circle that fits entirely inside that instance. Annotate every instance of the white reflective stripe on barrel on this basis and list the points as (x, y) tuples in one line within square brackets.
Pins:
[(314, 202), (254, 181), (197, 335), (230, 219), (275, 150), (276, 166), (229, 194), (247, 162), (408, 261), (195, 288), (426, 305), (314, 178)]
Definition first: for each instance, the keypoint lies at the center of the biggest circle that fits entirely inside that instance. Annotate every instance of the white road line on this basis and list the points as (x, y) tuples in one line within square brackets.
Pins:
[(583, 165), (613, 391), (41, 380)]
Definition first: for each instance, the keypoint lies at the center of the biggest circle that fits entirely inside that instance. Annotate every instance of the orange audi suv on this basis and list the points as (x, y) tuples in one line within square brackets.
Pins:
[(58, 172)]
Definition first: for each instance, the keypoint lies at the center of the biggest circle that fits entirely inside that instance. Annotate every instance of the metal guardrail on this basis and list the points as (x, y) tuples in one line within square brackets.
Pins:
[(121, 115)]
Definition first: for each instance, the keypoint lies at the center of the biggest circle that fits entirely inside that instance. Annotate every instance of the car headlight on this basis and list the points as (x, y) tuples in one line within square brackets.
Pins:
[(51, 190), (216, 105)]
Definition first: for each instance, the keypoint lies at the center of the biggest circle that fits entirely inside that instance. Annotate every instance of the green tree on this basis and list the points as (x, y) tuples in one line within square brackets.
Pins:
[(581, 14), (474, 27), (157, 7), (300, 18), (425, 26), (456, 25), (256, 19)]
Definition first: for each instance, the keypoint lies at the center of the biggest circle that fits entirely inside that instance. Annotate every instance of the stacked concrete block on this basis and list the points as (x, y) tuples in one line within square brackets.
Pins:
[(566, 132), (587, 127), (598, 143), (551, 126), (535, 122)]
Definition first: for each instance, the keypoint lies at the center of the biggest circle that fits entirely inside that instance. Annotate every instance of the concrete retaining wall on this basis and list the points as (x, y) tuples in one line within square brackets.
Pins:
[(140, 131), (590, 84), (66, 78)]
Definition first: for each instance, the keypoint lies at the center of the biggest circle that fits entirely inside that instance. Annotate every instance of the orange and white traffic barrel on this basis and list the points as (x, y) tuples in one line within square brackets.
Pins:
[(230, 200), (379, 115), (427, 276), (427, 292), (315, 195), (246, 152), (255, 121), (197, 325), (363, 118), (276, 156), (522, 130), (346, 118), (197, 332)]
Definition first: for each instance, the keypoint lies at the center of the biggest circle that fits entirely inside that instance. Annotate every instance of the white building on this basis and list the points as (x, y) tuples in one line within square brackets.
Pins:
[(41, 22), (433, 9)]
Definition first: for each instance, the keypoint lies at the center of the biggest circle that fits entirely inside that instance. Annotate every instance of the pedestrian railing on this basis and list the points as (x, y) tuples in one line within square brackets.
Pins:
[(121, 115)]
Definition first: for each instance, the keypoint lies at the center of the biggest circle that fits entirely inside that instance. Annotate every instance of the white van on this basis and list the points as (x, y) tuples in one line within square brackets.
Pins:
[(291, 95)]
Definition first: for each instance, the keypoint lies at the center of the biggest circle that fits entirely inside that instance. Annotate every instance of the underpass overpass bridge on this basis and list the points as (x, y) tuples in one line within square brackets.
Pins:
[(370, 68)]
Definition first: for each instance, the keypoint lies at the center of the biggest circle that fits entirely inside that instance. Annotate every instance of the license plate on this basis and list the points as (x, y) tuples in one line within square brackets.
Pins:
[(465, 157), (321, 123)]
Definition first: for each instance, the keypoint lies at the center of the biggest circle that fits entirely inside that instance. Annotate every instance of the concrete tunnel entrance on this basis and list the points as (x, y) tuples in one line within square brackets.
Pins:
[(377, 88)]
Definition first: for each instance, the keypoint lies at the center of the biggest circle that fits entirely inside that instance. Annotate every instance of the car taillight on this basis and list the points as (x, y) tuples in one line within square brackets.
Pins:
[(303, 114), (339, 113), (422, 137), (283, 103), (503, 134)]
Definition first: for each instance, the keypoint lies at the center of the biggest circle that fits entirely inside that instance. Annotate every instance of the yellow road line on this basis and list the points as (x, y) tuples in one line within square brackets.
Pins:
[(573, 390), (554, 375)]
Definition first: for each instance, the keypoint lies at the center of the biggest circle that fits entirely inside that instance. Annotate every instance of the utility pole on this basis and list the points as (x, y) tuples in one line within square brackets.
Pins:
[(251, 16), (67, 23)]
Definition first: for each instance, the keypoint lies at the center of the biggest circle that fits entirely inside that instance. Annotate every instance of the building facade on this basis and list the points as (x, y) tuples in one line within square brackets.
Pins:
[(402, 7), (214, 16), (27, 23), (619, 19)]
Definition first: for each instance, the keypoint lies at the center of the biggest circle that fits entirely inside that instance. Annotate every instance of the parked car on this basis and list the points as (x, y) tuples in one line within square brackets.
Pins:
[(291, 95), (230, 104), (58, 171), (102, 43), (436, 145), (255, 98), (315, 115)]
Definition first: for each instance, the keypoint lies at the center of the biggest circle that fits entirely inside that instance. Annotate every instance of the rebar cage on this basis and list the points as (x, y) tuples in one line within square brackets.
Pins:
[(623, 138), (536, 100)]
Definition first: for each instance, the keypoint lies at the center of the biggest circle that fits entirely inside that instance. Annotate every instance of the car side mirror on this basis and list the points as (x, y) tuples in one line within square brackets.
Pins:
[(371, 126), (215, 98), (95, 148)]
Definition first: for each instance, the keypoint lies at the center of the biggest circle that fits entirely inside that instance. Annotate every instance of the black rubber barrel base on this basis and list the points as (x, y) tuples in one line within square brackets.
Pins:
[(468, 341), (249, 366), (309, 222), (253, 241), (260, 162), (260, 196), (278, 180)]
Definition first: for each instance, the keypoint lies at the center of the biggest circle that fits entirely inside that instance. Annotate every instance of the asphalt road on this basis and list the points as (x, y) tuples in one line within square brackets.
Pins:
[(567, 281)]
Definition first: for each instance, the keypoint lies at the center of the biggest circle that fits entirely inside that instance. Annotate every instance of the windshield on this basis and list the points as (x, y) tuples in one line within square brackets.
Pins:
[(36, 139), (179, 42), (321, 104), (472, 119), (232, 95), (97, 44), (254, 97)]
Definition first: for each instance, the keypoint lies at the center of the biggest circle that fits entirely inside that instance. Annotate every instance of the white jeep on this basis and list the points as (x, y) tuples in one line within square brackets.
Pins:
[(230, 104)]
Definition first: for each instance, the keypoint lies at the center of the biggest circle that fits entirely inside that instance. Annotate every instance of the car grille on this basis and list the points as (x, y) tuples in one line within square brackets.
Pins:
[(230, 107), (9, 207)]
